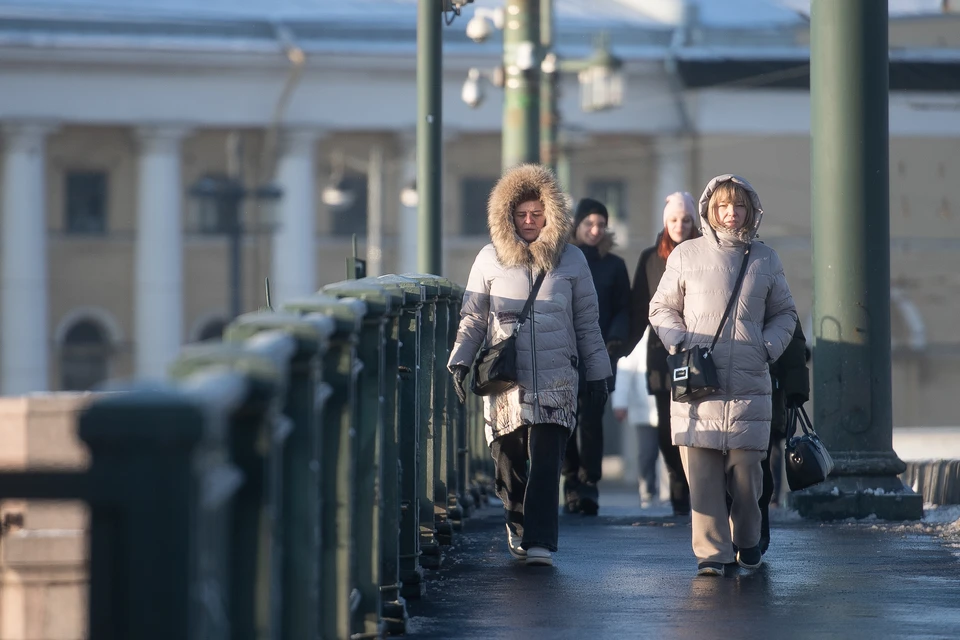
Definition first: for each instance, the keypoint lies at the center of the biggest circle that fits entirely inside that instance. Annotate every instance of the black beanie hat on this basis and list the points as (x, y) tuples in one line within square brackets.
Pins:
[(585, 207)]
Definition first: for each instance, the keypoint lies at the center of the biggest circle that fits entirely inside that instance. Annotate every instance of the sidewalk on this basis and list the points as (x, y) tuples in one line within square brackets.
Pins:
[(630, 574)]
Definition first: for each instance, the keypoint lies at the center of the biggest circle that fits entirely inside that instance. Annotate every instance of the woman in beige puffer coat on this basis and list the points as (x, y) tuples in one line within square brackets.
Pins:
[(723, 437), (529, 227)]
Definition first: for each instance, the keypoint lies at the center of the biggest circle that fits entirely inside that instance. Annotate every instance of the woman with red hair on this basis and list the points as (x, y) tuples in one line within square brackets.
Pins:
[(679, 215)]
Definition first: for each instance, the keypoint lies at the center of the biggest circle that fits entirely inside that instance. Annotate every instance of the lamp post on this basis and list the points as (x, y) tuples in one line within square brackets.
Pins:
[(525, 101), (217, 206)]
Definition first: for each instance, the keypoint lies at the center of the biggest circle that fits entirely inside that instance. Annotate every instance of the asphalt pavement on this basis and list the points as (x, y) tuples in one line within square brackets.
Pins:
[(630, 573)]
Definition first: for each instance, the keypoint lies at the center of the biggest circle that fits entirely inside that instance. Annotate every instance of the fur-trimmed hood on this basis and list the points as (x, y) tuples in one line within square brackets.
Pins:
[(512, 251)]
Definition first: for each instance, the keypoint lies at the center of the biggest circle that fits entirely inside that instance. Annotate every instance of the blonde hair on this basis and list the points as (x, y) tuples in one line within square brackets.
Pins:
[(735, 194)]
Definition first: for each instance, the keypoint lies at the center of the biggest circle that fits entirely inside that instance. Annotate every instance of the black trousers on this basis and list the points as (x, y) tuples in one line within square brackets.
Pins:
[(530, 493), (583, 460), (767, 493), (679, 489)]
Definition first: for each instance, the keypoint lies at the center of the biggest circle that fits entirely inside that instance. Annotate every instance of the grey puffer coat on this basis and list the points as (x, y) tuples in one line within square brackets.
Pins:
[(686, 311), (563, 324)]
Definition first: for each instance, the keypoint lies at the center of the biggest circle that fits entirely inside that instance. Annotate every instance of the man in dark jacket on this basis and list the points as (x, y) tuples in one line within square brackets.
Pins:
[(584, 455), (790, 380)]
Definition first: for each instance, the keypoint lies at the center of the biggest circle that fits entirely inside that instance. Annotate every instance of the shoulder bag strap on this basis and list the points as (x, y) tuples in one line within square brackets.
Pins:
[(533, 296), (733, 297)]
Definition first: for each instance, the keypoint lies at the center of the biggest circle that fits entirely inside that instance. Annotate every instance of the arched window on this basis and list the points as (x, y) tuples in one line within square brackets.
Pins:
[(84, 356), (213, 330)]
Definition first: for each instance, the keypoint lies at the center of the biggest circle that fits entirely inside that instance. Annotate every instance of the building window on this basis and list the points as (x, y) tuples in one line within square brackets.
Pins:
[(474, 194), (213, 330), (613, 194), (84, 357), (353, 217), (86, 202)]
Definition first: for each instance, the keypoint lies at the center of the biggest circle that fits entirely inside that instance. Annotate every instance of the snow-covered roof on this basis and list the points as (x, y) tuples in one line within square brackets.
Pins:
[(720, 13), (639, 29)]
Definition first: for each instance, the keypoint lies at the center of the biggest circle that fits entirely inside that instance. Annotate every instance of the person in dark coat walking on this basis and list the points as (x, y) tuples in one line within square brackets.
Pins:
[(790, 380), (678, 226), (584, 455)]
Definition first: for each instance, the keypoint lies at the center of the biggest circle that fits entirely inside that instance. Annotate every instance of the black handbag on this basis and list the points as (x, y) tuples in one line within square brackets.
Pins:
[(495, 368), (808, 462), (693, 371)]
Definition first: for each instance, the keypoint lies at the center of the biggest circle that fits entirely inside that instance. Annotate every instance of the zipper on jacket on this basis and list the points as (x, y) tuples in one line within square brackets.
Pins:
[(533, 347), (732, 321)]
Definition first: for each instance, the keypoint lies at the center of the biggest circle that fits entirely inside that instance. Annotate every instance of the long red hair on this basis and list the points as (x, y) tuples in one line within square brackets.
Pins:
[(665, 244)]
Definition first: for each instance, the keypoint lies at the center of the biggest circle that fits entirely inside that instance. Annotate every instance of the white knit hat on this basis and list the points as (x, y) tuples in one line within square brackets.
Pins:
[(680, 202)]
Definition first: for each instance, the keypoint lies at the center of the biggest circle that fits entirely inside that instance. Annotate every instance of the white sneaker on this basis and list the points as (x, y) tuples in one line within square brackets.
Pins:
[(538, 556), (513, 543)]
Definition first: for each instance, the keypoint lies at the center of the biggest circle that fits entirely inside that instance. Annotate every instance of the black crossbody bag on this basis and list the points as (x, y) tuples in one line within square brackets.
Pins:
[(495, 368), (693, 371)]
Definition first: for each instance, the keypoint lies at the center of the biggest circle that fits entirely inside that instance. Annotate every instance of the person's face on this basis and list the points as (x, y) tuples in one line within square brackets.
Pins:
[(731, 215), (591, 229), (679, 226), (529, 219)]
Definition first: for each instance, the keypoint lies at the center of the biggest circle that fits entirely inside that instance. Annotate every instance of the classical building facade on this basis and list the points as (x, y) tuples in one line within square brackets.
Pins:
[(110, 115)]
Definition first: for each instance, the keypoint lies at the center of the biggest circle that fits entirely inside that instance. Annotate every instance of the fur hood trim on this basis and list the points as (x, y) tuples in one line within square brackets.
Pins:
[(512, 251), (745, 235)]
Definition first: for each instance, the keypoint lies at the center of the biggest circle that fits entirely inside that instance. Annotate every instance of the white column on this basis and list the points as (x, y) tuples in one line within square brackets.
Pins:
[(673, 174), (407, 244), (159, 261), (294, 241), (25, 356)]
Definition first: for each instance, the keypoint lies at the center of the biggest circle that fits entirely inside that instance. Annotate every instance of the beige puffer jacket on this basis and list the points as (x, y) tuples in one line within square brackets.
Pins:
[(686, 310), (563, 324)]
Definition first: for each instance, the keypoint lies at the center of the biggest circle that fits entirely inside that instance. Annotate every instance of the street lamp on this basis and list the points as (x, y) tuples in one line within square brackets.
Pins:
[(479, 27), (216, 208), (601, 80)]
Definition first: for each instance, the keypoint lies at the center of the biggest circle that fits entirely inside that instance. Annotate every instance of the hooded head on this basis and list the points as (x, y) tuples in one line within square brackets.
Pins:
[(521, 184), (754, 212)]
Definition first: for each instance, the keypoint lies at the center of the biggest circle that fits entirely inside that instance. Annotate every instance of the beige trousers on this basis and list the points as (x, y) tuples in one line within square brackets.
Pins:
[(711, 475)]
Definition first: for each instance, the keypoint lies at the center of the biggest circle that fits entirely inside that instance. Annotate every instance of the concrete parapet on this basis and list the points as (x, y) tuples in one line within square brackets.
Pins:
[(43, 546)]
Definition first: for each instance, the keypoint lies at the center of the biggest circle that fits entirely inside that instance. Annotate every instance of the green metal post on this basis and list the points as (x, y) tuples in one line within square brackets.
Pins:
[(430, 555), (132, 537), (521, 96), (381, 307), (460, 466), (300, 467), (429, 132), (337, 453), (442, 424), (549, 89), (408, 427), (851, 263)]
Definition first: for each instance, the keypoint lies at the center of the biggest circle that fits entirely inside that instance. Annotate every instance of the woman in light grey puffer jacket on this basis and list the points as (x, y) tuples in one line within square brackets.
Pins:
[(529, 227), (723, 437)]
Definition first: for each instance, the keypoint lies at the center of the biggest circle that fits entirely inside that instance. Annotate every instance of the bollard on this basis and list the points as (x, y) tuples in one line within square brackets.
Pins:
[(300, 466), (160, 479), (382, 308), (401, 575), (340, 369), (257, 434)]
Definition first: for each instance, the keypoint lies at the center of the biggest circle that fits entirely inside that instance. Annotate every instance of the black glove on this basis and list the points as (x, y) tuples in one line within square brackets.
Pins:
[(795, 400), (597, 393), (459, 374)]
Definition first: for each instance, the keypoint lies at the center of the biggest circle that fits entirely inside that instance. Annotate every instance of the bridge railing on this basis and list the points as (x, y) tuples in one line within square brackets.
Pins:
[(291, 481)]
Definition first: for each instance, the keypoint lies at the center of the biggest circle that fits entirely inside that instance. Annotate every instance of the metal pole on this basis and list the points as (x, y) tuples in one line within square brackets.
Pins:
[(851, 264), (429, 121), (549, 89), (521, 101), (375, 211), (236, 263)]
